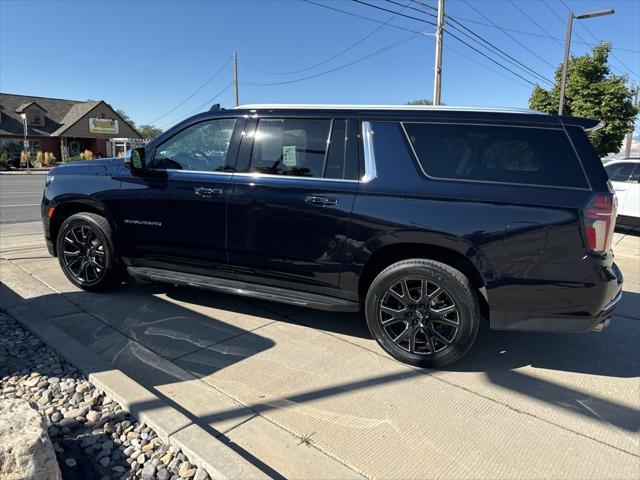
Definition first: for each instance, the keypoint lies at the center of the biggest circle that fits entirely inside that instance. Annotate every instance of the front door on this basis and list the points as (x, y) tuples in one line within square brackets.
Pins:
[(290, 204), (174, 214)]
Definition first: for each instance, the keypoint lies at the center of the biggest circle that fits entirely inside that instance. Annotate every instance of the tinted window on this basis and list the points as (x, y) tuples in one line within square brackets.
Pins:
[(290, 146), (298, 147), (202, 147), (620, 172), (496, 154)]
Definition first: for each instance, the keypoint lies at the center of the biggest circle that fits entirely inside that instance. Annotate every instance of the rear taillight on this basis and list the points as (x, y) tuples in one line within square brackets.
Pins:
[(599, 222)]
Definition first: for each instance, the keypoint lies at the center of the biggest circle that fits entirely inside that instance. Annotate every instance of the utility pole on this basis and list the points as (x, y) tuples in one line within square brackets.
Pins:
[(235, 78), (627, 146), (437, 81)]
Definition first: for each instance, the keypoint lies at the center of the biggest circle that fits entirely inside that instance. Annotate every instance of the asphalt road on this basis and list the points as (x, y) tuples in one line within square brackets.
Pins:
[(20, 197)]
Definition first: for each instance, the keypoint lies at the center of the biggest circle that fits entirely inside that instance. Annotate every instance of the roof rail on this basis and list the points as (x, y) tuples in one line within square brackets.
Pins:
[(308, 106)]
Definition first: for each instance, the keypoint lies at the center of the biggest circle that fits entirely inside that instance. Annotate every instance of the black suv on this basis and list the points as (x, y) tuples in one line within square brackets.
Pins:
[(428, 218)]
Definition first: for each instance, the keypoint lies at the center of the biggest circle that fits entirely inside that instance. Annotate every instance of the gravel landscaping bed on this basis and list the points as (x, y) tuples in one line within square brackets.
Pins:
[(93, 437)]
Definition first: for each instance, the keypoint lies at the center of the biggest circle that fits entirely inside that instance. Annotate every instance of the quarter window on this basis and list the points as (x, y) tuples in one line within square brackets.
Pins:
[(316, 148), (494, 153), (620, 172), (200, 147)]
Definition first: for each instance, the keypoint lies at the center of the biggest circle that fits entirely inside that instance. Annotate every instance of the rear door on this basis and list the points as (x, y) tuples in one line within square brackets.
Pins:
[(174, 214), (291, 201)]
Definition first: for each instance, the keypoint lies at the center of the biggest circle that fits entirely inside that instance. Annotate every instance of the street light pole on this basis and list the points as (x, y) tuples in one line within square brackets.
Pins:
[(25, 145), (565, 63), (567, 47), (236, 99)]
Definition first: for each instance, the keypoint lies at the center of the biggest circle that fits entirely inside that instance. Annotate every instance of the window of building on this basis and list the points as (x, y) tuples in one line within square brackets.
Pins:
[(493, 153), (200, 147), (35, 118), (620, 172), (316, 148)]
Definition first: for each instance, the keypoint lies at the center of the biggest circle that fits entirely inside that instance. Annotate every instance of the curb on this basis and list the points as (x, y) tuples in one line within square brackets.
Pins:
[(174, 428)]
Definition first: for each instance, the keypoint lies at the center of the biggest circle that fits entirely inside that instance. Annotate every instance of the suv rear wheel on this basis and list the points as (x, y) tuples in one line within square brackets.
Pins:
[(86, 253), (423, 312)]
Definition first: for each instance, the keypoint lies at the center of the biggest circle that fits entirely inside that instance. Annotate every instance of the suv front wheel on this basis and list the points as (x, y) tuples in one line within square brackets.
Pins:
[(86, 253), (423, 312)]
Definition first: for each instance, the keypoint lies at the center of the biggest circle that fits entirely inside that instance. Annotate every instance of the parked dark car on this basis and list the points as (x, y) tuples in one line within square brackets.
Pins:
[(428, 218)]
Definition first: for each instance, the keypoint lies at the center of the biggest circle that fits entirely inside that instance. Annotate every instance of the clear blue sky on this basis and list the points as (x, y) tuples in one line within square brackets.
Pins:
[(146, 57)]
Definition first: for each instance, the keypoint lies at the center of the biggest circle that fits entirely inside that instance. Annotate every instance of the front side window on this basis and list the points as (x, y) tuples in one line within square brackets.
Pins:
[(620, 172), (315, 148), (201, 147), (493, 153)]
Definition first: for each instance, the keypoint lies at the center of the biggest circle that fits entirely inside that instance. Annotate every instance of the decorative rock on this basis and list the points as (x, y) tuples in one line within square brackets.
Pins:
[(201, 474), (186, 470), (70, 462), (76, 412), (93, 416), (148, 471), (163, 474), (25, 448)]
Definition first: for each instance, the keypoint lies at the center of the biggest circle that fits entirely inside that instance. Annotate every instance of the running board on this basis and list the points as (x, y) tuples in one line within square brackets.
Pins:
[(235, 287)]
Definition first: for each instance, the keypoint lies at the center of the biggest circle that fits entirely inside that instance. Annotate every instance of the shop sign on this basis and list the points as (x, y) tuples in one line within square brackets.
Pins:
[(108, 126)]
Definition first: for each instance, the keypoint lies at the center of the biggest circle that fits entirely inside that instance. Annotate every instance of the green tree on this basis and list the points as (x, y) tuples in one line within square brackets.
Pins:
[(421, 101), (592, 91), (126, 117), (149, 131)]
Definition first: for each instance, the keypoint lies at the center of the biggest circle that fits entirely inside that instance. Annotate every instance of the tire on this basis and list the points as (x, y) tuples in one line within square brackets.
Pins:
[(86, 252), (423, 312)]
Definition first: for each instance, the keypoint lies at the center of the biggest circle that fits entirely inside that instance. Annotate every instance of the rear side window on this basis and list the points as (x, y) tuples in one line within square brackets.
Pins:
[(620, 172), (492, 153), (317, 148)]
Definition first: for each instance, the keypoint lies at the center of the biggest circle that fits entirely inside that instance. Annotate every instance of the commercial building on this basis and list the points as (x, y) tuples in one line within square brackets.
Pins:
[(63, 127)]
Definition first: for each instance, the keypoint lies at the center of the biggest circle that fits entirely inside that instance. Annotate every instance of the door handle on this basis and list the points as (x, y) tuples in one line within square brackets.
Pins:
[(207, 192), (324, 201)]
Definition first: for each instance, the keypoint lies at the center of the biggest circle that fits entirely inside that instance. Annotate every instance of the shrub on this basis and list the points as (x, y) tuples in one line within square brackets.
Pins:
[(39, 159), (49, 159), (24, 158), (86, 155), (5, 162)]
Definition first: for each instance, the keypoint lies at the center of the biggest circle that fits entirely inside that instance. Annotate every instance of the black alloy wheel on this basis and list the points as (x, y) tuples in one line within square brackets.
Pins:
[(419, 316), (423, 312), (86, 254)]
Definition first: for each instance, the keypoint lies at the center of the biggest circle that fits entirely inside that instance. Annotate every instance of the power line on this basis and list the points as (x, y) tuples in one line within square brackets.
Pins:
[(409, 30), (333, 57), (457, 38), (397, 13), (358, 60), (533, 34), (598, 40), (360, 16), (198, 109), (479, 12), (194, 93), (466, 29), (535, 23), (494, 70)]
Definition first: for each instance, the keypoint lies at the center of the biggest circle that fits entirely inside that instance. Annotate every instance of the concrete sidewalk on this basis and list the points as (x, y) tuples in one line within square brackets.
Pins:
[(309, 394)]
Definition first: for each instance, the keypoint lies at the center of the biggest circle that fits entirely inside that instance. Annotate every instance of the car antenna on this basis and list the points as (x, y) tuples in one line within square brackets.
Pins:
[(215, 108)]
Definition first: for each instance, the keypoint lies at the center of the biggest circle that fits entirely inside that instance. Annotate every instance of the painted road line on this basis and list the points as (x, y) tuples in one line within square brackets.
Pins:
[(23, 205)]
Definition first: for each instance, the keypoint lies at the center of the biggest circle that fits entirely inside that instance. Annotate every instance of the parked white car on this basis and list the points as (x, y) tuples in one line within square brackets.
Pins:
[(625, 177)]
